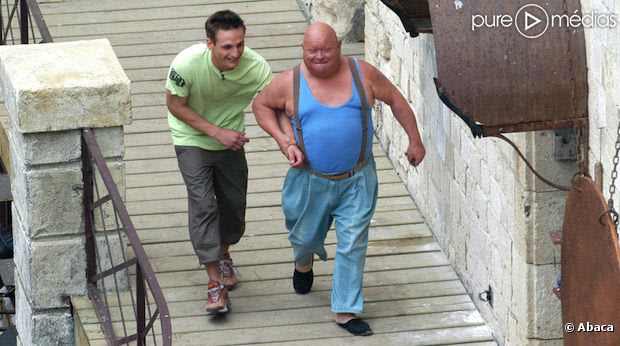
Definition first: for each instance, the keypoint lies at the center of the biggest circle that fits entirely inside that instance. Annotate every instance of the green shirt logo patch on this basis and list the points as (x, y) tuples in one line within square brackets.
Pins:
[(176, 78)]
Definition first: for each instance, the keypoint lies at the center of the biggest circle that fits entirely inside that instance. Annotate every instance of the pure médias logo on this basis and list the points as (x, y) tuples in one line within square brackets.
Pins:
[(532, 21)]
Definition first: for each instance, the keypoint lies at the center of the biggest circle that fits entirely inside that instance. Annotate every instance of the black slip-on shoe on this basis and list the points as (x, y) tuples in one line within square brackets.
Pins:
[(356, 327), (302, 282)]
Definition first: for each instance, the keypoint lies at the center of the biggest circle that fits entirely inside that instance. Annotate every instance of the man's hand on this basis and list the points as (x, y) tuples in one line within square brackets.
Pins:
[(416, 152), (233, 140), (295, 156)]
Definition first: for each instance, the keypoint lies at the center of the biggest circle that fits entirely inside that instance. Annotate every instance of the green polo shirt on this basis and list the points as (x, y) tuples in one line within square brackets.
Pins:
[(219, 101)]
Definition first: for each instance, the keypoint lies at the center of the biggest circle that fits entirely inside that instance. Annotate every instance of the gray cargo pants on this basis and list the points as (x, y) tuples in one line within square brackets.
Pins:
[(216, 188)]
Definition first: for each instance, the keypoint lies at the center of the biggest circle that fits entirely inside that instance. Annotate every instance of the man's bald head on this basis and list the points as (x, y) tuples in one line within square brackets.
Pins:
[(320, 31), (321, 49)]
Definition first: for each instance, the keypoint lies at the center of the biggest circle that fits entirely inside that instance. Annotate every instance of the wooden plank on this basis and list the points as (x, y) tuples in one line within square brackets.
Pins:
[(268, 247), (86, 6), (256, 215), (270, 197), (268, 256), (471, 335), (180, 293), (140, 16), (317, 331), (172, 24), (262, 228), (192, 305), (180, 219), (283, 270), (196, 34), (312, 310), (259, 171), (175, 180)]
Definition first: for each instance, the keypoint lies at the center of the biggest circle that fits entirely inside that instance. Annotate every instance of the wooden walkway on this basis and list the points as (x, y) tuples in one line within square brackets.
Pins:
[(412, 294)]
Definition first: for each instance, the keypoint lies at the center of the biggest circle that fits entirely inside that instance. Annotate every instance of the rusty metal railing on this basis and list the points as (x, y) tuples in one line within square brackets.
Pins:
[(27, 14), (120, 280), (133, 295)]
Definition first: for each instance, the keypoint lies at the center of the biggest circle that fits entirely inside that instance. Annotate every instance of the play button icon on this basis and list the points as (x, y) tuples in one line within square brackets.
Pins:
[(528, 18)]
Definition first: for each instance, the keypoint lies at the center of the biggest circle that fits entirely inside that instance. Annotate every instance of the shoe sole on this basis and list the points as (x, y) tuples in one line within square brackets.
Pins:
[(219, 311)]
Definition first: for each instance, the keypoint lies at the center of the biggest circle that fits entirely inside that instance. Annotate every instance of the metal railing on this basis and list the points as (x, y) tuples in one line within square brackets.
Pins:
[(107, 262), (120, 280), (26, 13)]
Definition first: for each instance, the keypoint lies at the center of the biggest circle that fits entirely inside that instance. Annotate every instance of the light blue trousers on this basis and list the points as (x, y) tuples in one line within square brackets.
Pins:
[(310, 204)]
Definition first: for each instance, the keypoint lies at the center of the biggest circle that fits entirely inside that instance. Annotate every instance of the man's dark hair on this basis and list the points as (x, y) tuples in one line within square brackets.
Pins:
[(222, 20)]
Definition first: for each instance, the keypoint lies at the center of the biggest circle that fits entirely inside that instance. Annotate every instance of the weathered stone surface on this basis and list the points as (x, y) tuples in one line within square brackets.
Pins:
[(111, 141), (112, 252), (62, 86), (49, 270), (104, 217), (46, 147), (546, 315), (546, 215), (471, 192), (345, 16), (48, 199), (50, 327)]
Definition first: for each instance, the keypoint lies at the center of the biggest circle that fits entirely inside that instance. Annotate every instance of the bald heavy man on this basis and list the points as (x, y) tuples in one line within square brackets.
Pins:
[(326, 134)]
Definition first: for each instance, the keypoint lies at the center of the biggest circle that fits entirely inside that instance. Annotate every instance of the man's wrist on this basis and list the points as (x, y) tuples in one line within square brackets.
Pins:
[(287, 141)]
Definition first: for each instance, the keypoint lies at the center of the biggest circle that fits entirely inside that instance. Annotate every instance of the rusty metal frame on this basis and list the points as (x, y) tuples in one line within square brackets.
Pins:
[(414, 15), (26, 12), (145, 277)]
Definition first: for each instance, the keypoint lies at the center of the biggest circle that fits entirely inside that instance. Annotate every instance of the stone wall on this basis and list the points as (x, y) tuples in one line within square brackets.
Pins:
[(488, 212), (603, 56), (345, 16), (50, 91)]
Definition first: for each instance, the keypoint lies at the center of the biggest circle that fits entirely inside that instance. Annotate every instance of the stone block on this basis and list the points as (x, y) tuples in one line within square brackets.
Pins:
[(49, 198), (50, 271), (46, 147), (110, 141), (42, 328), (545, 320), (64, 86), (345, 16), (540, 154), (112, 251), (104, 216), (546, 215)]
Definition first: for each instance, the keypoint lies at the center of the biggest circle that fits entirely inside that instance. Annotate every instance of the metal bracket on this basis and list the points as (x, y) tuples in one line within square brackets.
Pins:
[(487, 296), (476, 130)]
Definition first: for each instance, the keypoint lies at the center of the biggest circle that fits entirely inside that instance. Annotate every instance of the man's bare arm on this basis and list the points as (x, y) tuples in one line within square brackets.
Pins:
[(383, 90), (269, 108), (177, 106)]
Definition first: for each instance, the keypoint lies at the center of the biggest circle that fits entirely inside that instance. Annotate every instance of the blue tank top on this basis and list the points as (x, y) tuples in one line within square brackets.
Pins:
[(332, 135)]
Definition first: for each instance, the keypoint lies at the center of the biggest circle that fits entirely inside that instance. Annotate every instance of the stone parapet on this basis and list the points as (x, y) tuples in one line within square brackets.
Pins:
[(51, 91), (63, 86)]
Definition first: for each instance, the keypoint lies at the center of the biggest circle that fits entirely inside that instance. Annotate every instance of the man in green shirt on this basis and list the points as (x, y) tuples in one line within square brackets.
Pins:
[(208, 87)]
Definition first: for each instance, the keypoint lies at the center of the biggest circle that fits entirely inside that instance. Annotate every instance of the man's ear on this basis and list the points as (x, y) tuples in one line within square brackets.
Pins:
[(210, 43)]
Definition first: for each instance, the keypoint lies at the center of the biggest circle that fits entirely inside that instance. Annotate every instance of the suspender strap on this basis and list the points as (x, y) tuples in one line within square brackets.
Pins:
[(300, 137), (362, 95)]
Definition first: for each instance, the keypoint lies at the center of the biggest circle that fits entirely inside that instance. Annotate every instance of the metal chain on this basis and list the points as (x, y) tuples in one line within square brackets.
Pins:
[(612, 186)]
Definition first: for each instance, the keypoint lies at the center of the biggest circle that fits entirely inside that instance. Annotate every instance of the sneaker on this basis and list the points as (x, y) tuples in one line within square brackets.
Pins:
[(217, 298), (227, 273)]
